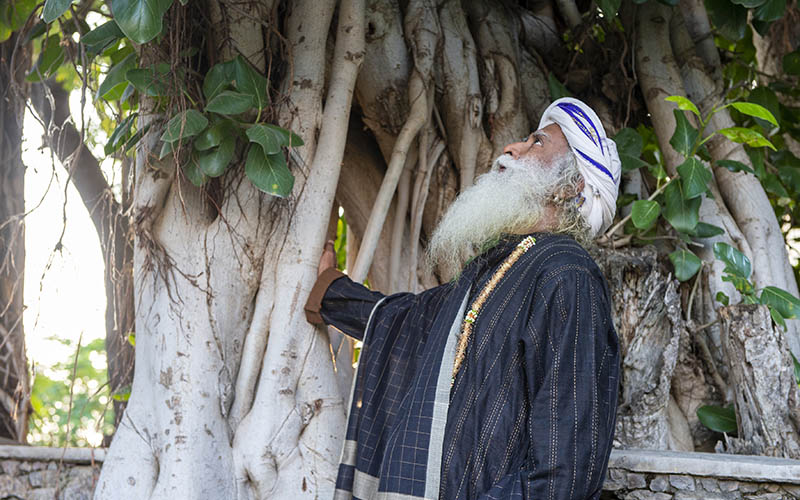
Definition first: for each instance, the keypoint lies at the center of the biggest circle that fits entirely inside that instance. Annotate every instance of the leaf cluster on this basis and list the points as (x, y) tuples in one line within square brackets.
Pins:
[(223, 125)]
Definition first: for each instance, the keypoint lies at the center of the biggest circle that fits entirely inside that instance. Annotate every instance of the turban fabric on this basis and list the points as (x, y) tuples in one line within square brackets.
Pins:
[(597, 158)]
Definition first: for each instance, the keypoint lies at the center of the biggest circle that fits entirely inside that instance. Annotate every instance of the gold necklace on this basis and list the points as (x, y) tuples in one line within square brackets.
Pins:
[(480, 300)]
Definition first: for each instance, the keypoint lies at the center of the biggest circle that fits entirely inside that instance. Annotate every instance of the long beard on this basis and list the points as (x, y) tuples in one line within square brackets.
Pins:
[(511, 198)]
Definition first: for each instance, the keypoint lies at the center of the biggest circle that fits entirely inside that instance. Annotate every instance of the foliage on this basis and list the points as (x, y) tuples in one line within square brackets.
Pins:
[(678, 200), (718, 418), (82, 420), (233, 98)]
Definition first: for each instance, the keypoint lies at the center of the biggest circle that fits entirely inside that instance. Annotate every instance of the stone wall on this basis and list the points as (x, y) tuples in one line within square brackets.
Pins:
[(665, 475), (31, 473), (34, 473)]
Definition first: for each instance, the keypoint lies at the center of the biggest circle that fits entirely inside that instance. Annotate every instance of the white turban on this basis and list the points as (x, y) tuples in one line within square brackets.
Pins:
[(597, 157)]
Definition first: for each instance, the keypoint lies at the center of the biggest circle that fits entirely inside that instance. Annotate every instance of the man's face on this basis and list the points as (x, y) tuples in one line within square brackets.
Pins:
[(541, 147)]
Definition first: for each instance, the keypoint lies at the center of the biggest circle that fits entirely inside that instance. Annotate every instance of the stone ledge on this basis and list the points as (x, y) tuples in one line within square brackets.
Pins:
[(739, 467), (41, 453)]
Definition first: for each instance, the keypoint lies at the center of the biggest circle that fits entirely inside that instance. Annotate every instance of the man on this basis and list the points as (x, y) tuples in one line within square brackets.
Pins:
[(501, 383)]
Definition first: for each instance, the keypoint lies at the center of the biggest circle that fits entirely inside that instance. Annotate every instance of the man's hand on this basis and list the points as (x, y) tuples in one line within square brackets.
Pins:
[(328, 258)]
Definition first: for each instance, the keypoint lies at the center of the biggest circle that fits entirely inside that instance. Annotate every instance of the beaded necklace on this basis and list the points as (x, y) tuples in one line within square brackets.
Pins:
[(480, 300)]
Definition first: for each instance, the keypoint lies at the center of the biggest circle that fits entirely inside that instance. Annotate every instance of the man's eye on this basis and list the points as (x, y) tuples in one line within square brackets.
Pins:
[(537, 140)]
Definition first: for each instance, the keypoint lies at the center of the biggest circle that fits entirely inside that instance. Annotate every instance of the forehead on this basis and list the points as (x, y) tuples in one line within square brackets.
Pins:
[(555, 134)]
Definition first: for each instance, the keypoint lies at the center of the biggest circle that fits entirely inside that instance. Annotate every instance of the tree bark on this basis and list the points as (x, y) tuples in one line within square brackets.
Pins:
[(647, 316), (766, 393), (14, 383)]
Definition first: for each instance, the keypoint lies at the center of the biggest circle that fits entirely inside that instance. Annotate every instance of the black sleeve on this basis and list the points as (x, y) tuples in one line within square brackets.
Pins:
[(338, 301)]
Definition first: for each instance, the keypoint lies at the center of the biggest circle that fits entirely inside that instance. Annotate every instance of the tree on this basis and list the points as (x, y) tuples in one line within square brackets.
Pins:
[(14, 383), (233, 394)]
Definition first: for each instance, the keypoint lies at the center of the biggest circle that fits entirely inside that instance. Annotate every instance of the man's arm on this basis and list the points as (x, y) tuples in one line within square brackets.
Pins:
[(338, 301), (572, 370)]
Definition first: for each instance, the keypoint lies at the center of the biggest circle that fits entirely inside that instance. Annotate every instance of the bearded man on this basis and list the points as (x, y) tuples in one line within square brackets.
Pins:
[(501, 383)]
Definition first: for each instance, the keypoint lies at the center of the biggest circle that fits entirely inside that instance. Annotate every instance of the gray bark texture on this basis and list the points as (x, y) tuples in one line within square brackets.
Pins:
[(646, 310), (761, 372)]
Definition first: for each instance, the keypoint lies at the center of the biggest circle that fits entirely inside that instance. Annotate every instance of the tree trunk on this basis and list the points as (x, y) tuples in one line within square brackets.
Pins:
[(647, 317), (14, 383), (232, 396), (761, 372)]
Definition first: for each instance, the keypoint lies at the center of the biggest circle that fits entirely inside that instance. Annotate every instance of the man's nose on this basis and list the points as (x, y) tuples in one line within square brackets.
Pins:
[(515, 149)]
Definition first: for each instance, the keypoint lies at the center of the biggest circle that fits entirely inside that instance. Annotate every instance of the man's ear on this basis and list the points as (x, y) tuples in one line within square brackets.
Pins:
[(581, 185)]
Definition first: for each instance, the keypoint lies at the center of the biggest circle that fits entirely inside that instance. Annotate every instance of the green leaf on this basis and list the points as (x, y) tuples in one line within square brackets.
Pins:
[(644, 213), (631, 162), (686, 264), (609, 7), (38, 30), (132, 339), (743, 285), (717, 418), (735, 166), (772, 184), (166, 149), (682, 213), (150, 81), (116, 76), (135, 138), (119, 134), (746, 136), (272, 137), (685, 135), (269, 173), (791, 177), (705, 230), (557, 89), (13, 15), (214, 162), (694, 177), (765, 97), (266, 137), (770, 11), (192, 172), (729, 19), (218, 78), (140, 20), (629, 142), (103, 34), (250, 82), (50, 59), (228, 102), (796, 368), (53, 9), (791, 63), (185, 124), (755, 110), (736, 262), (722, 298), (213, 135), (784, 302), (777, 318), (684, 104)]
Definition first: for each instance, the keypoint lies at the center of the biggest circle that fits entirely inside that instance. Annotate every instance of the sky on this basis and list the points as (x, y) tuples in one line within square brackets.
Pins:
[(64, 290)]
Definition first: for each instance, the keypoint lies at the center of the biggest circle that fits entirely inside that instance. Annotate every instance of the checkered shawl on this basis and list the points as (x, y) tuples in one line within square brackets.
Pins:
[(531, 412)]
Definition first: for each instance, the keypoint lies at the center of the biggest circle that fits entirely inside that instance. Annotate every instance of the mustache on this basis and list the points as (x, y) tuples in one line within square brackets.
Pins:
[(508, 162)]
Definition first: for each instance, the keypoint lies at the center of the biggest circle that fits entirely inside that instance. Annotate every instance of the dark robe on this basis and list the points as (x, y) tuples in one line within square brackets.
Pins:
[(531, 412)]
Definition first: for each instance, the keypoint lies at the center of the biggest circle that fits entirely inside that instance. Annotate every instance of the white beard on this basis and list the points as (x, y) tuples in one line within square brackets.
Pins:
[(501, 202)]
